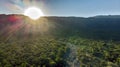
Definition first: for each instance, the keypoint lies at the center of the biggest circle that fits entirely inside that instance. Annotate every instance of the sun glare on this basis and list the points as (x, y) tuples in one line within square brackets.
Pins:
[(33, 12)]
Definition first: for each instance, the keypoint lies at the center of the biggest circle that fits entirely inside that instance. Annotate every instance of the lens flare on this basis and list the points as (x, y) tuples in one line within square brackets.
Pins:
[(18, 24), (33, 13)]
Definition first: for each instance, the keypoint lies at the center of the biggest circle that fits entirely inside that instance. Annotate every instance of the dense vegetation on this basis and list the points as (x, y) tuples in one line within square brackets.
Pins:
[(59, 41), (50, 52), (92, 53), (32, 53)]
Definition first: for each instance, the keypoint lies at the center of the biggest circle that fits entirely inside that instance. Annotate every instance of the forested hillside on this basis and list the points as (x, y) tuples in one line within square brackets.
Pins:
[(98, 27), (59, 41)]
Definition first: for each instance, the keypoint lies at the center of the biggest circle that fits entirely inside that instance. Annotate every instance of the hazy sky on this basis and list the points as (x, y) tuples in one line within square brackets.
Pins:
[(63, 7)]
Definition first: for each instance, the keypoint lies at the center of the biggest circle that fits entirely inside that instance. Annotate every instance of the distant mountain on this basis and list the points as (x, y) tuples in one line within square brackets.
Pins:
[(106, 16), (98, 27)]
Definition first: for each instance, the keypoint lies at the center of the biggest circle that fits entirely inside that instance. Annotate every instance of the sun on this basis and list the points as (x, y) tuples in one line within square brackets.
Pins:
[(33, 12)]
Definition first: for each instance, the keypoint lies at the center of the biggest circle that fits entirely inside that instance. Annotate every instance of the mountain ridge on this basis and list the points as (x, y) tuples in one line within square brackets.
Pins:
[(93, 27), (96, 16)]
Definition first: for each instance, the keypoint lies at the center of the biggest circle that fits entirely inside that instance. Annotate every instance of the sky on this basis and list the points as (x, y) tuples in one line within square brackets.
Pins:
[(81, 8)]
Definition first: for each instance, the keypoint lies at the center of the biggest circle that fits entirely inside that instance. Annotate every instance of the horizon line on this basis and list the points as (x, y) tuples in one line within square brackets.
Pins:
[(69, 16)]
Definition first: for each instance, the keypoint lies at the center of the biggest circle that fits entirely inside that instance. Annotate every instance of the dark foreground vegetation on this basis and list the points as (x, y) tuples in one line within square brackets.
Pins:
[(48, 52), (59, 41), (39, 52)]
